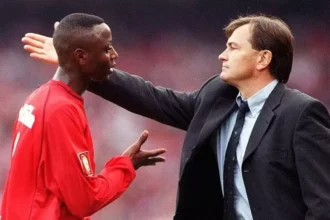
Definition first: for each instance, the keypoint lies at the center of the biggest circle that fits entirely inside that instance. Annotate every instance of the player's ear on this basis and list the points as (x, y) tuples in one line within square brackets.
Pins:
[(81, 56)]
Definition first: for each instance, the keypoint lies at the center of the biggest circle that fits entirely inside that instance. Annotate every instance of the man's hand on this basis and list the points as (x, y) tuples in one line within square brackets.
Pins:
[(40, 47), (143, 157)]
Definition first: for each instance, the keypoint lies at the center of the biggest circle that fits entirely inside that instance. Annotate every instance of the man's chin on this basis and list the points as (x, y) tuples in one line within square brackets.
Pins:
[(224, 76), (100, 79)]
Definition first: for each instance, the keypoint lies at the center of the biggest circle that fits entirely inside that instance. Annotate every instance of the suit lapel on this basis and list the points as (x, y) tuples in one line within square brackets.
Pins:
[(220, 111), (264, 120), (259, 130)]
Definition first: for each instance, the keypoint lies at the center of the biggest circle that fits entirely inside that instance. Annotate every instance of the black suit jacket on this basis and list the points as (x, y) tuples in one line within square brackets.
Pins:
[(286, 167)]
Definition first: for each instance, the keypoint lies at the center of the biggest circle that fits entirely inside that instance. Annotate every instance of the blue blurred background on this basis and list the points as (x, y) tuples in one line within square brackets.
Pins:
[(172, 43)]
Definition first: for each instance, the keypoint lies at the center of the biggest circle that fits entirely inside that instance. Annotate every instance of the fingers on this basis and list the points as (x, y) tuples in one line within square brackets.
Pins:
[(157, 159), (43, 58), (37, 37), (56, 24), (152, 161), (135, 147), (32, 42), (32, 49), (153, 153), (142, 139), (38, 56)]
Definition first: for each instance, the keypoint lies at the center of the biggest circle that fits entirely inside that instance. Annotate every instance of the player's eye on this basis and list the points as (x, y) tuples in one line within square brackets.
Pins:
[(108, 49)]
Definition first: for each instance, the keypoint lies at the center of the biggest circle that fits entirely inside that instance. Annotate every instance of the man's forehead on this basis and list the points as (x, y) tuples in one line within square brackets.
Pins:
[(102, 31), (101, 27), (240, 35)]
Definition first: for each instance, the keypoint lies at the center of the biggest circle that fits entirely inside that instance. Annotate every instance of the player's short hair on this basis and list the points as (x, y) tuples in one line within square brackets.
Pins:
[(70, 29), (269, 33)]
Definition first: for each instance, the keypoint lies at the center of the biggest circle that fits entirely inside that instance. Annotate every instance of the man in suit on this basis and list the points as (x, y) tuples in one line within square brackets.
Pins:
[(254, 149)]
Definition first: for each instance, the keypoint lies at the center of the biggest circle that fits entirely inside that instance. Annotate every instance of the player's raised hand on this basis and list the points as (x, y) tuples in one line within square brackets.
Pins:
[(40, 47), (143, 157)]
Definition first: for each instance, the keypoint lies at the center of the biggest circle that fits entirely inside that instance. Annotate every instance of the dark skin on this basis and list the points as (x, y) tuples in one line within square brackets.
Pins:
[(92, 61)]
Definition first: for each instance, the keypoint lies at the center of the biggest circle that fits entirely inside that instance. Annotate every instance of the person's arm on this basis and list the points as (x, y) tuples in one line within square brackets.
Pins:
[(312, 155), (128, 91), (83, 192), (141, 97)]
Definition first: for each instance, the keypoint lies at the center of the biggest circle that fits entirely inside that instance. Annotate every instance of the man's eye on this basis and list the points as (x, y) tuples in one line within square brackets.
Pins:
[(109, 48)]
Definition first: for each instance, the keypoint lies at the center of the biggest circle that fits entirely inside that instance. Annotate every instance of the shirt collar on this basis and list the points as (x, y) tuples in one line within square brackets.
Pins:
[(257, 101)]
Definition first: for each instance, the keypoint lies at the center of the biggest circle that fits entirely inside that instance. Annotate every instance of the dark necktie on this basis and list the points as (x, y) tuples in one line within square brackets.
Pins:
[(231, 163)]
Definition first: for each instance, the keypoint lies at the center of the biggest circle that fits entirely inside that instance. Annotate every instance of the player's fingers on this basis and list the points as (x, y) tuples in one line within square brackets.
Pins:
[(153, 153), (37, 37), (32, 42), (136, 146), (142, 139), (33, 49), (158, 159), (153, 161)]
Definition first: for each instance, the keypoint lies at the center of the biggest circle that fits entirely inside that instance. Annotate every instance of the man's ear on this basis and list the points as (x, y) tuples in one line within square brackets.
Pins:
[(265, 57), (81, 56)]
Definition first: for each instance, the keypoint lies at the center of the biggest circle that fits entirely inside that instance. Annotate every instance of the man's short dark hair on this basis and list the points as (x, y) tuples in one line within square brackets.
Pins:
[(70, 29), (269, 33)]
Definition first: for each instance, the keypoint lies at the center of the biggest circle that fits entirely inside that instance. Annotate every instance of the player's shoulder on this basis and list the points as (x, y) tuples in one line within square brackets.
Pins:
[(56, 100), (62, 111), (49, 94)]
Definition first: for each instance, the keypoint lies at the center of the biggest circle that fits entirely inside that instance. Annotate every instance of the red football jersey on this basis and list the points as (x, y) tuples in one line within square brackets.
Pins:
[(52, 167)]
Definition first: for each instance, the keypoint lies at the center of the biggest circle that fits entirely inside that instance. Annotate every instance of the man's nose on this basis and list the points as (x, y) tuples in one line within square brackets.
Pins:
[(222, 56), (114, 54)]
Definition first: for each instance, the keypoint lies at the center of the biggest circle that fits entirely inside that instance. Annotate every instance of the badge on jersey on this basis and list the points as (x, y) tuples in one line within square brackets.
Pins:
[(85, 163)]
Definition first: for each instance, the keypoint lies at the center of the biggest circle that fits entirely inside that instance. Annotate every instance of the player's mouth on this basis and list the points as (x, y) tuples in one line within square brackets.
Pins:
[(112, 65)]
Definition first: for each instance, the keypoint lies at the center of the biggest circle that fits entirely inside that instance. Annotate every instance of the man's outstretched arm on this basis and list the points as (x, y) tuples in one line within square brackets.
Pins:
[(141, 97), (128, 91)]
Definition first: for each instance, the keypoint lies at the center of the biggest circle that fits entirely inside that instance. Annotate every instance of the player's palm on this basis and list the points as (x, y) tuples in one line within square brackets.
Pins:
[(141, 157)]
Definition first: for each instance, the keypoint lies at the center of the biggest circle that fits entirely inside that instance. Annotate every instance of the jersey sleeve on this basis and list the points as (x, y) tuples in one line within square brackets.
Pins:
[(82, 194)]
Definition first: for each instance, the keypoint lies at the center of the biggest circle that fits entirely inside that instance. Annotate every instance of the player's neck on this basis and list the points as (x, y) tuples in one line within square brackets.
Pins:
[(74, 80)]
